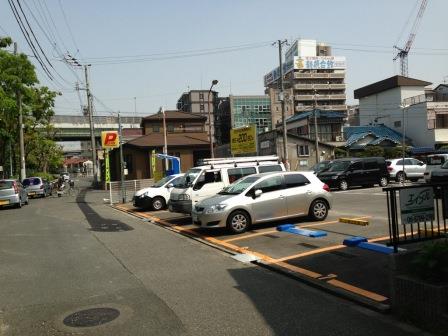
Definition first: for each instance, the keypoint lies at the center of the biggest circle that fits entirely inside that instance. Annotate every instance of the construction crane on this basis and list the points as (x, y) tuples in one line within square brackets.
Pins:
[(403, 52)]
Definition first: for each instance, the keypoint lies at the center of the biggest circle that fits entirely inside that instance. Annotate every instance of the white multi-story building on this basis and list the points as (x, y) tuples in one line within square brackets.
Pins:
[(313, 78), (403, 104)]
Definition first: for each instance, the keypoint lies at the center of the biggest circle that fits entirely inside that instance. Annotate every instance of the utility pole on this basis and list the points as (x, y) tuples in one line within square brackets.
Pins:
[(123, 189), (165, 144), (316, 132), (92, 131), (21, 140), (135, 110), (282, 100)]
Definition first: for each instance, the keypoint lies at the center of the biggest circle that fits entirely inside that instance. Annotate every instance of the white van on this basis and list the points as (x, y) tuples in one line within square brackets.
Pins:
[(210, 178), (433, 161), (157, 196)]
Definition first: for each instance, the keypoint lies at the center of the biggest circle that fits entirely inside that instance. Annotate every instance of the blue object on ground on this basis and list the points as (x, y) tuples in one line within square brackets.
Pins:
[(376, 247), (290, 228), (354, 241), (285, 227)]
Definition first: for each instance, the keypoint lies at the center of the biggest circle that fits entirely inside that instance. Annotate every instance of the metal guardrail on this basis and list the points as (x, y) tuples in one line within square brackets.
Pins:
[(130, 186), (416, 213)]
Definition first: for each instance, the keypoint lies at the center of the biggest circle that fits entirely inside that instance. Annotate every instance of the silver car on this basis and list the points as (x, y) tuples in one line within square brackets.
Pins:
[(413, 169), (37, 187), (264, 197), (12, 193)]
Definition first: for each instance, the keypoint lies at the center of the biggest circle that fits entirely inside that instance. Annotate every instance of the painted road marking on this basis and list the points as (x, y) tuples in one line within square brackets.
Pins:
[(279, 262)]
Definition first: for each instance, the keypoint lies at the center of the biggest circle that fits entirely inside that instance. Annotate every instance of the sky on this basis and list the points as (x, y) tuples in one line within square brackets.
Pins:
[(156, 50)]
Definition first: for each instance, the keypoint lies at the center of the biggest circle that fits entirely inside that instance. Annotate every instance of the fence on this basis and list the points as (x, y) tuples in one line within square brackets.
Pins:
[(130, 186), (416, 213)]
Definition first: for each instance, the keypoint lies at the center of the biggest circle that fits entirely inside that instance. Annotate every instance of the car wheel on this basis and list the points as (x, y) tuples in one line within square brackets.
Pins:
[(238, 221), (383, 182), (158, 203), (318, 210), (343, 185), (401, 177)]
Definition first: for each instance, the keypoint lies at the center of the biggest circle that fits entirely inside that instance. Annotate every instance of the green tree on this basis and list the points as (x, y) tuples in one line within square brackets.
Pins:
[(370, 151), (18, 76)]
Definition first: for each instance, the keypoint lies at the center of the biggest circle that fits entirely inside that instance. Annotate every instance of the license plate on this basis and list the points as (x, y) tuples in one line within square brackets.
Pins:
[(4, 202), (31, 193)]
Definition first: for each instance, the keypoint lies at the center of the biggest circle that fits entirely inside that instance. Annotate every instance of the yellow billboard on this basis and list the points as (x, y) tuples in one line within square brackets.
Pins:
[(243, 140), (110, 139)]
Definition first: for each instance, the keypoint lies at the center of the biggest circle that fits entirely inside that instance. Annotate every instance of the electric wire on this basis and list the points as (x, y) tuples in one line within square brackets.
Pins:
[(28, 39)]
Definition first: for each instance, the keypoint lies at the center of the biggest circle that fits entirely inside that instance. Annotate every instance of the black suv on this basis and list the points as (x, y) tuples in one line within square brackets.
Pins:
[(347, 172)]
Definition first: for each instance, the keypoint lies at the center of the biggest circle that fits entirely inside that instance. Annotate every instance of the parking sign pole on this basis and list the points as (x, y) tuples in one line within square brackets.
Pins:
[(123, 189)]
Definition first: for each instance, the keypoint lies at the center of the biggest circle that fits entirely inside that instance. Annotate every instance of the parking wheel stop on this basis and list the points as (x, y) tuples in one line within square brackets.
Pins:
[(291, 228), (362, 242)]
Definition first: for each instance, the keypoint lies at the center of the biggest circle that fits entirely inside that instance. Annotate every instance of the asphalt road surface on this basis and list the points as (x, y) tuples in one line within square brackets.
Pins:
[(76, 255)]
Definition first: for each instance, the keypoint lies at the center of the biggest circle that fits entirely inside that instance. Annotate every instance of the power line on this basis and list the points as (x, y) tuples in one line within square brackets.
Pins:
[(28, 38), (68, 26)]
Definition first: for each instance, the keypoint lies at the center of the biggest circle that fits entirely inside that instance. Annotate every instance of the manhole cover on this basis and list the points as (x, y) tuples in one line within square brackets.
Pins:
[(91, 317)]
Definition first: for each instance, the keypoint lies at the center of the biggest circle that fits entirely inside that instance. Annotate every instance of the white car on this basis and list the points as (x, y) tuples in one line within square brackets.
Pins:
[(157, 196), (413, 169)]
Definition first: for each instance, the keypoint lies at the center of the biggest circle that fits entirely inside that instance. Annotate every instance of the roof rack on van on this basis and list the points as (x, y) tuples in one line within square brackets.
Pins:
[(236, 160)]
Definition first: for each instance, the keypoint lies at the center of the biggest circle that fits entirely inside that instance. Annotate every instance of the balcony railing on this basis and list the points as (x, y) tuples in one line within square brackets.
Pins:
[(302, 108), (299, 75), (319, 86), (320, 97)]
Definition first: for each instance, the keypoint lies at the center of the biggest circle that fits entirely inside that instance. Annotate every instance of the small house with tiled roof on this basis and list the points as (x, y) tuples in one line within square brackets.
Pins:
[(185, 138)]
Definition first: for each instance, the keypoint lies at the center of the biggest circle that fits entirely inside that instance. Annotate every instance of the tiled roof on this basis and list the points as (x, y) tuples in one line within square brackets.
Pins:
[(173, 139), (380, 133), (174, 114), (320, 114)]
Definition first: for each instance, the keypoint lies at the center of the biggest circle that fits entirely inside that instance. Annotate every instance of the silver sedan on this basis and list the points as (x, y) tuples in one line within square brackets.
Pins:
[(264, 197)]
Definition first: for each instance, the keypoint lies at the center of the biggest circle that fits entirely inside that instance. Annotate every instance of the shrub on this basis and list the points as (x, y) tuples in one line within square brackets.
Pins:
[(432, 262)]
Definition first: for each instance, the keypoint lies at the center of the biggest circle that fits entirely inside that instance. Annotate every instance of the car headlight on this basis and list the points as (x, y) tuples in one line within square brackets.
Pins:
[(184, 197), (215, 208)]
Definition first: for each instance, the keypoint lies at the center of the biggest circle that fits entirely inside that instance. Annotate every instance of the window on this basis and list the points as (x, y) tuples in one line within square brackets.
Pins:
[(201, 107), (177, 181), (237, 173), (295, 180), (266, 169), (303, 150), (170, 128), (408, 162), (370, 164), (397, 124), (399, 163), (201, 96), (356, 166), (207, 177), (156, 129), (271, 184)]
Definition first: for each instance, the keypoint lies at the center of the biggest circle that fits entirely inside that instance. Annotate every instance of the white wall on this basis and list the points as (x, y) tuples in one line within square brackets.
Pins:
[(386, 107)]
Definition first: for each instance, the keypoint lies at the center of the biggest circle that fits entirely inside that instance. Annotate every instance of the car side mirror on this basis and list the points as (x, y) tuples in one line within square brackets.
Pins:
[(257, 193), (170, 185)]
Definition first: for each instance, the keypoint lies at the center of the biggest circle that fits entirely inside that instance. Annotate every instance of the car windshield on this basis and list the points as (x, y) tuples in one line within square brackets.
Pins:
[(163, 181), (189, 177), (338, 166), (31, 181), (239, 186), (6, 185)]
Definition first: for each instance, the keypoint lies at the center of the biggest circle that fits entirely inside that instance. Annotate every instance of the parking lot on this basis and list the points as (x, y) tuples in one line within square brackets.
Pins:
[(325, 262)]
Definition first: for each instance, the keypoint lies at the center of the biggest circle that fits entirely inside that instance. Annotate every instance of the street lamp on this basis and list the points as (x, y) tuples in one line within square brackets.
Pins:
[(403, 140), (212, 154)]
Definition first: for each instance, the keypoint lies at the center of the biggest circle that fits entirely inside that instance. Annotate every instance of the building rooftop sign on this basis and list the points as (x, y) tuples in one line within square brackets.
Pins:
[(319, 62)]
